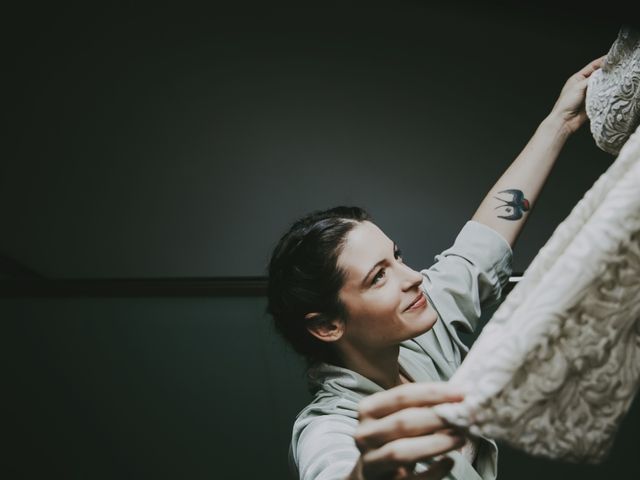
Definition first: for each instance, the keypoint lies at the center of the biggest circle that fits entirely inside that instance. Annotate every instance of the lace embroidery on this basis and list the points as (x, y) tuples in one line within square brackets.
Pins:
[(613, 94)]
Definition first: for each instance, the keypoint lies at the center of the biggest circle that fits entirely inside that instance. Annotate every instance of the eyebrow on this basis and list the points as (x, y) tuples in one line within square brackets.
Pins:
[(364, 281)]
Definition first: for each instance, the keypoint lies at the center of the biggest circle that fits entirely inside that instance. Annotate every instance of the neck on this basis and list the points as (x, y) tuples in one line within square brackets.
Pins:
[(380, 366)]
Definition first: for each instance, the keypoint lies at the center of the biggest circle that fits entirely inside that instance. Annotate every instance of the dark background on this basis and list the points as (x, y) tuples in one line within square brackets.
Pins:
[(166, 141), (179, 142)]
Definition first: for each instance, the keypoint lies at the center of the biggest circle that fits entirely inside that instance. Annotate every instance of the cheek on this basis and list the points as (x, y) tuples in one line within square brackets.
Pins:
[(385, 301)]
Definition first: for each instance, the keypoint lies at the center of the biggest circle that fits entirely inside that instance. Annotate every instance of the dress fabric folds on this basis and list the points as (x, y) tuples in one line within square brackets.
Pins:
[(558, 365)]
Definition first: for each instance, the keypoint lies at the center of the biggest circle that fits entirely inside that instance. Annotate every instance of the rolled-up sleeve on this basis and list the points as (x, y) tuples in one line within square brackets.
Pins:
[(325, 449), (469, 276)]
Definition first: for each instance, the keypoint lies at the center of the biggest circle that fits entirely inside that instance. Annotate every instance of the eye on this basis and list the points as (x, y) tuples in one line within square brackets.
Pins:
[(378, 276), (397, 254)]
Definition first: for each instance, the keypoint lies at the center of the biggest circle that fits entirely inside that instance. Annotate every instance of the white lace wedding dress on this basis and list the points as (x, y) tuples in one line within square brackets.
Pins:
[(558, 365)]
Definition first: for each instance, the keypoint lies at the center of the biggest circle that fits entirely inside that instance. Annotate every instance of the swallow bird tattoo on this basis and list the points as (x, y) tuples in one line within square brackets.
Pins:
[(514, 207)]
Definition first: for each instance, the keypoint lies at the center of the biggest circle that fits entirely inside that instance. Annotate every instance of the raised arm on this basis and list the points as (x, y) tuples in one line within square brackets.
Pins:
[(507, 205)]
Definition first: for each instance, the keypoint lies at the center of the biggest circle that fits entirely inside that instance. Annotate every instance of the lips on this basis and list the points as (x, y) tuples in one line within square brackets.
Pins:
[(419, 299)]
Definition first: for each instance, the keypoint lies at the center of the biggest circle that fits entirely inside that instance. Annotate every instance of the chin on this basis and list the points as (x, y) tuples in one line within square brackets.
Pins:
[(426, 321)]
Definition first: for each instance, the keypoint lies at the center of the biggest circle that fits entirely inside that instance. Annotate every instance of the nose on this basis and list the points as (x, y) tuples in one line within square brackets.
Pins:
[(411, 279)]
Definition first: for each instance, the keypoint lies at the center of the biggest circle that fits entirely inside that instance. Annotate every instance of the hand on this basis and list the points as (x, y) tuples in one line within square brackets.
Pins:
[(569, 107), (397, 429)]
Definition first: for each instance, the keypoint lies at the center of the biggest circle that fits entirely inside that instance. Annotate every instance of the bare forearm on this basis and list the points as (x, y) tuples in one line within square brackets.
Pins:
[(508, 204)]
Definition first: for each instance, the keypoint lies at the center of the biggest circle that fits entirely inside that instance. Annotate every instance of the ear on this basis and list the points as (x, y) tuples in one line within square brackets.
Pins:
[(323, 328)]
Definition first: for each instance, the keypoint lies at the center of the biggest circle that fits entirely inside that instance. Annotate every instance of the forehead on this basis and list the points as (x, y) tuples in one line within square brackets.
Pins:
[(364, 246)]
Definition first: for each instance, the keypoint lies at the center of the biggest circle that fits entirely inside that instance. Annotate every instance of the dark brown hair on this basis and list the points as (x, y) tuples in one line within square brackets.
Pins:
[(304, 277)]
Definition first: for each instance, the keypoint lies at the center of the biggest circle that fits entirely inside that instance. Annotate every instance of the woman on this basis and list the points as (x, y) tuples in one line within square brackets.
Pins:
[(381, 338)]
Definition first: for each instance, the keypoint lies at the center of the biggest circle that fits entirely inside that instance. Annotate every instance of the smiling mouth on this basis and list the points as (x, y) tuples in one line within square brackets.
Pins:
[(419, 302)]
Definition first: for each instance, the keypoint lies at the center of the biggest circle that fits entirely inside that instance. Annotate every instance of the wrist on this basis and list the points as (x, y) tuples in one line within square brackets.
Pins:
[(556, 127)]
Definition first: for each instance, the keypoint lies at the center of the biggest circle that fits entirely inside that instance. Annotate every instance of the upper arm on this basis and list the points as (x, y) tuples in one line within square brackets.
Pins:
[(470, 275)]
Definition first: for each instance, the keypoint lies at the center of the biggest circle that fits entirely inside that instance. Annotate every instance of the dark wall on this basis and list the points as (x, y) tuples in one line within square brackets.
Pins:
[(145, 388), (166, 388), (166, 141)]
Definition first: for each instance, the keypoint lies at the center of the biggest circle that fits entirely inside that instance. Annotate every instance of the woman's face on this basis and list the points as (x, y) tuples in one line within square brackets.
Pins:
[(380, 291)]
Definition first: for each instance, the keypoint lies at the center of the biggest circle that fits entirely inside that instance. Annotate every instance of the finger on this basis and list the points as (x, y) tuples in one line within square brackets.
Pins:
[(437, 470), (410, 450), (408, 395), (580, 84), (592, 67), (409, 422), (407, 469), (402, 473)]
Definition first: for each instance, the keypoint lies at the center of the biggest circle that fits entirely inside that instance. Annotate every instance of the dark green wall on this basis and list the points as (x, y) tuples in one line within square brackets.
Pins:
[(146, 388)]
